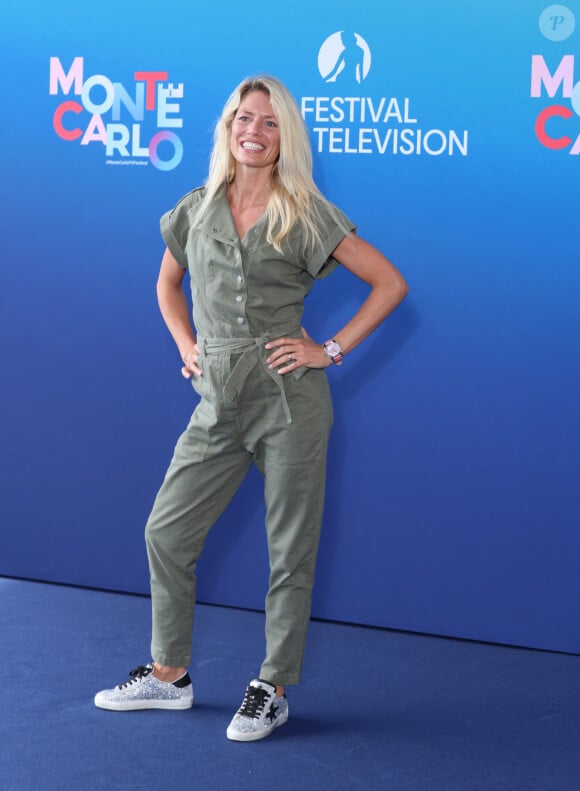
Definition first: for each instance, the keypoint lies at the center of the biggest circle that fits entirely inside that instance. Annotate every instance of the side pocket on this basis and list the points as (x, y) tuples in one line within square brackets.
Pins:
[(199, 383), (192, 445), (298, 373)]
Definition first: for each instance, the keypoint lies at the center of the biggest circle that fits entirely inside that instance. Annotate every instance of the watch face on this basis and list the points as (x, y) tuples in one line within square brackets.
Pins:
[(332, 349)]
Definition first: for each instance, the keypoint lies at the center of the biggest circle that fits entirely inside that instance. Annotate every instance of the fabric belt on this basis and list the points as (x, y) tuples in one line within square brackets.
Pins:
[(252, 351)]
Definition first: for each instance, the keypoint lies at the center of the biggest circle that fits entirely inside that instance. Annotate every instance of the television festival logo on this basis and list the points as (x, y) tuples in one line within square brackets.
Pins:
[(134, 124), (345, 57), (556, 125), (344, 122)]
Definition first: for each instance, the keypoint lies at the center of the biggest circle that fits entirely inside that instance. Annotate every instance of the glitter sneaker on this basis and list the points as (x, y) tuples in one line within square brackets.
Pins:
[(144, 691), (260, 713)]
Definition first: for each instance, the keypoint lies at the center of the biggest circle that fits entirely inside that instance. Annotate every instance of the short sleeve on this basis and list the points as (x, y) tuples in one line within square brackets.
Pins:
[(175, 226), (332, 226)]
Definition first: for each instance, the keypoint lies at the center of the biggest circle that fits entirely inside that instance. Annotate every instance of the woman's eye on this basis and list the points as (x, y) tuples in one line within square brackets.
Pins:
[(271, 124)]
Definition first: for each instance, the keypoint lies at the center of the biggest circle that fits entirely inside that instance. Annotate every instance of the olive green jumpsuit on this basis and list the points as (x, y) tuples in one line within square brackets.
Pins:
[(244, 293)]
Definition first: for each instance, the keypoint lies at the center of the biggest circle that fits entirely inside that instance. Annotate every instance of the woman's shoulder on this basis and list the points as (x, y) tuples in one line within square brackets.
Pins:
[(191, 199), (321, 208), (183, 212), (325, 214)]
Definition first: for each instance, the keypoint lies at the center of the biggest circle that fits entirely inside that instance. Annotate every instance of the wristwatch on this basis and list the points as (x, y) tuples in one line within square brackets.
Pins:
[(333, 350)]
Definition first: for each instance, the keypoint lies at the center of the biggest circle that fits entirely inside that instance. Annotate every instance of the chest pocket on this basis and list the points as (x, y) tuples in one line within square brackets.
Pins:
[(212, 260)]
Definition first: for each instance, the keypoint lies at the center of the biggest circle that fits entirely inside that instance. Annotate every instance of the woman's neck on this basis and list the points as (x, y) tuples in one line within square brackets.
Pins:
[(249, 190)]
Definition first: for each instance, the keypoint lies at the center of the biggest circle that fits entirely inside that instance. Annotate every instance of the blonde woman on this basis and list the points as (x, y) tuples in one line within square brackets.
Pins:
[(254, 239)]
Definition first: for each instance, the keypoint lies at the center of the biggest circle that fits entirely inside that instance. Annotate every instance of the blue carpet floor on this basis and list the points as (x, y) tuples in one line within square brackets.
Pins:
[(375, 710)]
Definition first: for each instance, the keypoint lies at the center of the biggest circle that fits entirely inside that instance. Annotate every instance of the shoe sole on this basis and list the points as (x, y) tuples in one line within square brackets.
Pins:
[(140, 705), (254, 737)]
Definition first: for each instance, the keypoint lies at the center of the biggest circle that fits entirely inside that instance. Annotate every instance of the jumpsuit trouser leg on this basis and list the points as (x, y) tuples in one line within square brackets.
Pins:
[(200, 482), (198, 487), (292, 459), (295, 500)]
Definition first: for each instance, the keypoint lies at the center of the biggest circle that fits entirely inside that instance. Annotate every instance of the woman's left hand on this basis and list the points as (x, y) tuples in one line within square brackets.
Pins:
[(291, 353)]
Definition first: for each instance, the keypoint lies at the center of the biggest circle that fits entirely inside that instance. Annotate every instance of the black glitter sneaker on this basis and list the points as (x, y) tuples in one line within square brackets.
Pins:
[(144, 691), (261, 712)]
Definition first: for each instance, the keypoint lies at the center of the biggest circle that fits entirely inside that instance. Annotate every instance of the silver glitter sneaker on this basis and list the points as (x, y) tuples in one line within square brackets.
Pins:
[(144, 691), (260, 713)]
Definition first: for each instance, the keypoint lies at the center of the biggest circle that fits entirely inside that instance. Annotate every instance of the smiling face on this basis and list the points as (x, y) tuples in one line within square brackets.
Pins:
[(255, 137)]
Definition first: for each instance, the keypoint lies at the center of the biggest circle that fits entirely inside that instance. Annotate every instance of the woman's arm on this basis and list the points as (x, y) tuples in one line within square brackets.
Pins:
[(388, 289), (175, 311)]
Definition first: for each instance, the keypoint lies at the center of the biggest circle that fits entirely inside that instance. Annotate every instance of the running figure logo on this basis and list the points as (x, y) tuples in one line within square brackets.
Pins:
[(344, 56)]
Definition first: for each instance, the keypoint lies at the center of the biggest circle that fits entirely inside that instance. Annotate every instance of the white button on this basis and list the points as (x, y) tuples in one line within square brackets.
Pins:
[(239, 278), (240, 320), (239, 298)]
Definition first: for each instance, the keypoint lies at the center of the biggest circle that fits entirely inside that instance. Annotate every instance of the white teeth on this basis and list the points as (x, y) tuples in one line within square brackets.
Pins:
[(252, 147)]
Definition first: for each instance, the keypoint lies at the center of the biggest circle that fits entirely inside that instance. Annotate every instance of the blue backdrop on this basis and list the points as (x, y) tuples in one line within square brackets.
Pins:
[(448, 133)]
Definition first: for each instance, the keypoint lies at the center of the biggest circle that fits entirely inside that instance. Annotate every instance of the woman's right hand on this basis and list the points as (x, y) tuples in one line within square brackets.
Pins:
[(190, 363)]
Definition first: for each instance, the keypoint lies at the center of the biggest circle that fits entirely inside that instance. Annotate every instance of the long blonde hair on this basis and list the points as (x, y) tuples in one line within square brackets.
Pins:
[(294, 194)]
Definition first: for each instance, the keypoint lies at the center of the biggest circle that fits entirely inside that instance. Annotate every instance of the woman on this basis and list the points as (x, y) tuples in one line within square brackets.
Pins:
[(254, 240)]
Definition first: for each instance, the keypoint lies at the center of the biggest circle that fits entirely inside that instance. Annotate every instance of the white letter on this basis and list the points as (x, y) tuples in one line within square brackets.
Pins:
[(305, 108), (58, 77), (136, 108), (564, 74), (338, 115), (164, 107), (120, 143), (382, 144), (320, 131), (104, 82), (136, 149), (95, 131), (454, 140), (407, 119), (321, 107), (364, 140), (335, 140), (393, 111), (427, 137)]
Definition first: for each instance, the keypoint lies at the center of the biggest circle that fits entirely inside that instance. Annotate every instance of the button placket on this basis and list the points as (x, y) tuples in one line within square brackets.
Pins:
[(253, 243), (240, 286)]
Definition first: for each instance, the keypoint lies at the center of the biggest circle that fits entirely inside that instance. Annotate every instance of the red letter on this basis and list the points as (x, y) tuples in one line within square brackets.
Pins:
[(150, 78), (546, 140), (65, 107)]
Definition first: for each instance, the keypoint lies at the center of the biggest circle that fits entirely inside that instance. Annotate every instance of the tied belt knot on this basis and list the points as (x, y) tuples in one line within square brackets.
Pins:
[(252, 352)]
